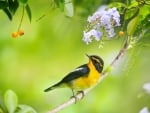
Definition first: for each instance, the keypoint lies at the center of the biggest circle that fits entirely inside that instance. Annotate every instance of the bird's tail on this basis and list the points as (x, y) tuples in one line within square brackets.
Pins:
[(53, 87)]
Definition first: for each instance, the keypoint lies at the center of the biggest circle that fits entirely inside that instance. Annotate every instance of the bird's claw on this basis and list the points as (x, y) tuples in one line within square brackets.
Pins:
[(81, 92), (76, 98)]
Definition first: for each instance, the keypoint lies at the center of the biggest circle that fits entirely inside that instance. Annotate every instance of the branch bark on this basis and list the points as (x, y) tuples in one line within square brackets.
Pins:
[(104, 74)]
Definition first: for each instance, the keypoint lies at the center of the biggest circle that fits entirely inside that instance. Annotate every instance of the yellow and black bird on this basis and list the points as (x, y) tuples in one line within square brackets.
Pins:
[(83, 76)]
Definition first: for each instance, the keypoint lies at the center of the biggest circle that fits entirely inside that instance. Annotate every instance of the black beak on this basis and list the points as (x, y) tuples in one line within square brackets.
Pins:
[(88, 56)]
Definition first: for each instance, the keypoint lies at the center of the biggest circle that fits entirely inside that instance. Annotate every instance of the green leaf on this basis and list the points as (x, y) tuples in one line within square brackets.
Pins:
[(133, 5), (11, 101), (132, 26), (117, 4), (13, 6), (130, 13), (68, 8), (23, 1), (144, 11), (147, 2), (129, 2), (58, 1), (28, 10), (7, 12), (1, 111), (25, 109), (131, 10), (60, 4), (3, 4)]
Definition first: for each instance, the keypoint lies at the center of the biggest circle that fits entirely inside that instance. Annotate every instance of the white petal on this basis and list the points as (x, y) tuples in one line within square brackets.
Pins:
[(146, 87), (144, 110)]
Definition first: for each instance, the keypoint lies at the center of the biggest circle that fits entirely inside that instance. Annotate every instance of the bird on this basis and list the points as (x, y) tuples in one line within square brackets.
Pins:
[(82, 77)]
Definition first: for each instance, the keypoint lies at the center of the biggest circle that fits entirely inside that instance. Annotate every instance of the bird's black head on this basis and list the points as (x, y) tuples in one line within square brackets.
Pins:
[(97, 62)]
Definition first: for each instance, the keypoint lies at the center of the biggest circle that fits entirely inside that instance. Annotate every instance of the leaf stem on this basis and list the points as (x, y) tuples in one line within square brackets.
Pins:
[(21, 18)]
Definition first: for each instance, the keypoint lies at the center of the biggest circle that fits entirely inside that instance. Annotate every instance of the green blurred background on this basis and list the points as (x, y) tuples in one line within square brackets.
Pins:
[(53, 46)]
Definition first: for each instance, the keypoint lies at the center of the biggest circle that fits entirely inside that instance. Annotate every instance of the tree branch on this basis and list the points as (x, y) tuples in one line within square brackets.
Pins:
[(104, 74)]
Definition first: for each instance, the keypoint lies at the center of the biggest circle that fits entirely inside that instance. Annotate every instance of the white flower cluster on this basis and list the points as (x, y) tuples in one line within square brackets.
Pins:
[(144, 110), (100, 23), (146, 87)]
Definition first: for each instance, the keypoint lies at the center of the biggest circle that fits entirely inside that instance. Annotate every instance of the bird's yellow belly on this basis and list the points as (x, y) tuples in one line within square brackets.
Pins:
[(85, 82)]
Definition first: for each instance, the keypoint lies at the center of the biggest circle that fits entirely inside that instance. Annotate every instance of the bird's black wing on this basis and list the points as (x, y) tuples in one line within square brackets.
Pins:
[(81, 71)]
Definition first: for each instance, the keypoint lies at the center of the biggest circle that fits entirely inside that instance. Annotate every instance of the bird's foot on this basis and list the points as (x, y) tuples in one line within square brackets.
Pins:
[(81, 92), (76, 98)]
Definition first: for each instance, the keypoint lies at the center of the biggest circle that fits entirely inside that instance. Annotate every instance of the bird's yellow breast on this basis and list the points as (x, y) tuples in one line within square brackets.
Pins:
[(88, 80)]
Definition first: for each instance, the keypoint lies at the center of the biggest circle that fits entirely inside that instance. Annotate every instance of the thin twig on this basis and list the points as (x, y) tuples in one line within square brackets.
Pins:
[(21, 18), (104, 74)]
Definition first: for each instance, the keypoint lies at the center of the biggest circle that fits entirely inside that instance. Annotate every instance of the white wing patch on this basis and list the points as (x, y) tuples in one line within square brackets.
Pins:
[(78, 69)]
